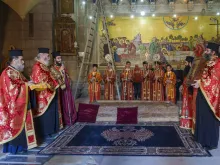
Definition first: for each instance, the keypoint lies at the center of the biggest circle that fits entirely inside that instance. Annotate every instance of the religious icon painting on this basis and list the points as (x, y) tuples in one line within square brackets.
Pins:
[(65, 36)]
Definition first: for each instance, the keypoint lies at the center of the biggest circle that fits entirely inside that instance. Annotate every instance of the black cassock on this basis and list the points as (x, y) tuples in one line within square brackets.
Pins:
[(179, 82), (207, 126), (48, 123)]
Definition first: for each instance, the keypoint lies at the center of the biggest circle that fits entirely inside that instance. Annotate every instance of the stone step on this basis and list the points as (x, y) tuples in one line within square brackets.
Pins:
[(150, 119), (139, 115), (109, 110)]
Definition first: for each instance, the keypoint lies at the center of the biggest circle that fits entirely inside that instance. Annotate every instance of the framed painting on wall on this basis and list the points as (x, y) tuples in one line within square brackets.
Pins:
[(65, 36)]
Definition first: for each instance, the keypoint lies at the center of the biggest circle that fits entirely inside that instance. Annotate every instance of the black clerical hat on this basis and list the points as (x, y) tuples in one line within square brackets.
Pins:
[(214, 47), (145, 62), (95, 65), (15, 52), (189, 58), (43, 50), (55, 54)]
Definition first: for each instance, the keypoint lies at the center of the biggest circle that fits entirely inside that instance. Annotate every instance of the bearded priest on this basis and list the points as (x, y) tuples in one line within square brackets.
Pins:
[(67, 100), (187, 92), (16, 122), (207, 101), (48, 119)]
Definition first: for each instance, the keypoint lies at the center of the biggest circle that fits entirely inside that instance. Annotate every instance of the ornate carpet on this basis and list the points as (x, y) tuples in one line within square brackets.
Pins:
[(144, 139)]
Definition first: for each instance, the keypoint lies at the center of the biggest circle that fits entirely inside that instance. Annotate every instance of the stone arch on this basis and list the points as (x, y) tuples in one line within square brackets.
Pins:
[(22, 7)]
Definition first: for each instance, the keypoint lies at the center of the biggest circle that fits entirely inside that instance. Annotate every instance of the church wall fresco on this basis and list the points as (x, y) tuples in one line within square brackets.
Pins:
[(151, 38)]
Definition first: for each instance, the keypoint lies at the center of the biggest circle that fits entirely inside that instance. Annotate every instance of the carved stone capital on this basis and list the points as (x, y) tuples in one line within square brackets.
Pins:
[(190, 5), (172, 6)]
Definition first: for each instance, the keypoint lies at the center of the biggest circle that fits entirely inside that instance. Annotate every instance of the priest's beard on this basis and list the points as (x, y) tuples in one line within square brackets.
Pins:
[(207, 56), (58, 63), (186, 70), (19, 67), (46, 62)]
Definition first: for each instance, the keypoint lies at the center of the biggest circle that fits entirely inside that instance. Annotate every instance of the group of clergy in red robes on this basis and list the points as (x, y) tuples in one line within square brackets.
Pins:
[(201, 101), (32, 110), (150, 84)]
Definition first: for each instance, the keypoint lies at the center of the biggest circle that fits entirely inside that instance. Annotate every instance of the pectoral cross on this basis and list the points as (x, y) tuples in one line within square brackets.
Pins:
[(214, 19)]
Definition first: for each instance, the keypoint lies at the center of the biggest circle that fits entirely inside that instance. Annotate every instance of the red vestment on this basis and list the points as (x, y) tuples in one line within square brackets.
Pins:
[(68, 105), (137, 75), (94, 80), (170, 87), (127, 85), (109, 93), (210, 85), (147, 84), (14, 116), (42, 74), (187, 107), (158, 88)]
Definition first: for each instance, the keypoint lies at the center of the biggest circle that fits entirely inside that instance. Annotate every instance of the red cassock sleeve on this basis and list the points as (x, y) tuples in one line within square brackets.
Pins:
[(210, 87), (13, 104), (42, 74)]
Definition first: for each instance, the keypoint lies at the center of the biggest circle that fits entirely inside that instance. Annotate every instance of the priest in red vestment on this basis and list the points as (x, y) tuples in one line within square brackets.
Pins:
[(127, 83), (208, 100), (187, 92), (16, 122), (67, 100), (109, 83), (158, 87), (147, 82), (94, 80), (48, 118)]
